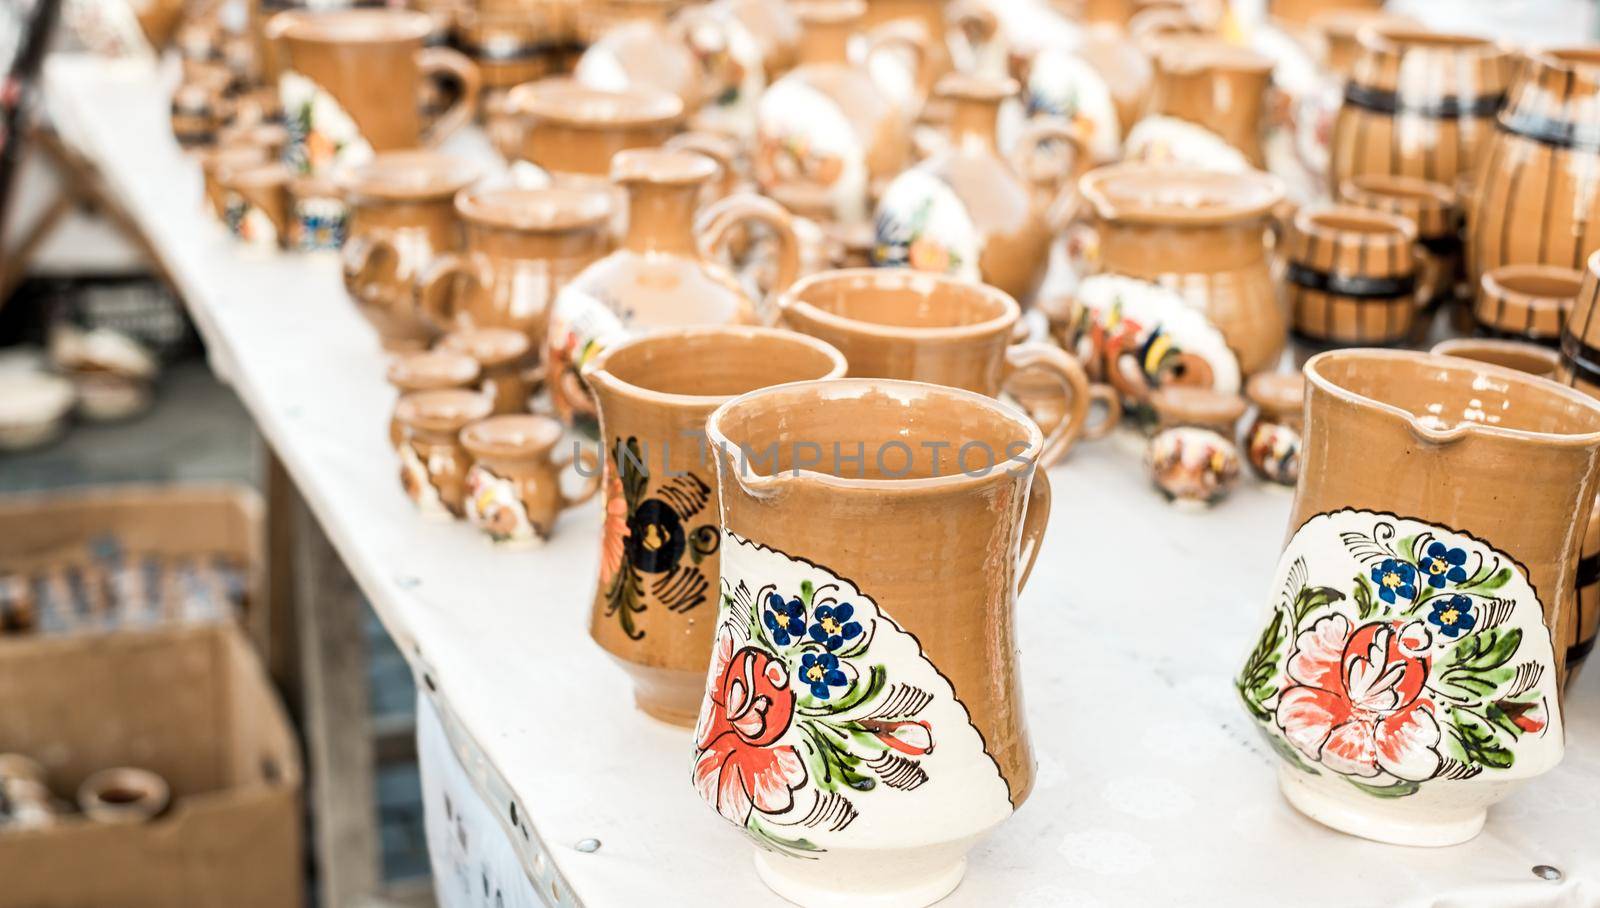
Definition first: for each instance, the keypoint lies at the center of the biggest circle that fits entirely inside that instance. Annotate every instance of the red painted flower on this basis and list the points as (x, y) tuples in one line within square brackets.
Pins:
[(614, 531), (737, 769), (1356, 702)]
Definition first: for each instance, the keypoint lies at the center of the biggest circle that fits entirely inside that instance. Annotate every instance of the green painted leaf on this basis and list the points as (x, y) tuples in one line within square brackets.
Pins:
[(1310, 598), (1365, 604), (807, 591), (1491, 583), (1257, 682), (1487, 650), (1476, 740), (1397, 790)]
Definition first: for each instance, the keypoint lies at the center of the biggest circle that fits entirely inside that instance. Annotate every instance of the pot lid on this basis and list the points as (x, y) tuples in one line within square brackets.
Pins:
[(489, 346), (351, 26), (1277, 393), (1179, 405), (433, 369), (444, 410), (511, 436)]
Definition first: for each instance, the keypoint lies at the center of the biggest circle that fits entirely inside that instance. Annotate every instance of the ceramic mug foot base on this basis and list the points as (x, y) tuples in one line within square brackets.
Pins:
[(885, 881), (1393, 827)]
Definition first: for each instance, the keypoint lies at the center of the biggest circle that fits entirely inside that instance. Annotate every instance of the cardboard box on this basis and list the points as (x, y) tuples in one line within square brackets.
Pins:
[(190, 703)]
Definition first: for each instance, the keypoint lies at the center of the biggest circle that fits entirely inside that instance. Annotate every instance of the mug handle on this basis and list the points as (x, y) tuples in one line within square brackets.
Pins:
[(435, 297), (1108, 396), (721, 216), (272, 200), (363, 256), (1034, 522), (451, 64), (591, 483), (1075, 392), (1026, 159)]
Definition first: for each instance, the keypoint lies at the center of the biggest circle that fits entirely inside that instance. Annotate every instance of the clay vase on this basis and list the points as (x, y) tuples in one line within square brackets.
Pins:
[(1580, 369), (931, 328), (1272, 441), (522, 247), (1406, 676), (503, 356), (826, 123), (657, 587), (573, 131), (1534, 199), (1351, 277), (1192, 458), (1519, 355), (1214, 84), (816, 632), (337, 110), (428, 370), (663, 275), (401, 216), (513, 490), (433, 463), (1526, 302), (1202, 234), (969, 212), (1432, 208), (1418, 104)]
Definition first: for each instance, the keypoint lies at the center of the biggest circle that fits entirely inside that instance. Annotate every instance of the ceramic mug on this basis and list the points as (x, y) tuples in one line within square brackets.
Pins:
[(1434, 210), (1351, 276), (513, 490), (838, 666), (433, 462), (659, 562), (269, 205), (1529, 302), (428, 370), (904, 324), (1406, 675), (1522, 356), (503, 356)]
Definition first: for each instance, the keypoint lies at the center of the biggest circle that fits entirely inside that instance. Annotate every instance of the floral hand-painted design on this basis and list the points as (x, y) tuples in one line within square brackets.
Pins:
[(819, 707), (493, 506), (1394, 683), (804, 138), (248, 223), (418, 483), (581, 325), (322, 136), (661, 546), (922, 224)]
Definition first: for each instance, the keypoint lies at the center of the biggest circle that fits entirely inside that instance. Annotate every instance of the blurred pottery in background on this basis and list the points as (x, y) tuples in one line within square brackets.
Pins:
[(433, 463), (1352, 276), (572, 131), (217, 159), (33, 408), (1433, 209), (1218, 86), (816, 633), (513, 491), (1272, 442), (507, 376), (1192, 457), (269, 206), (123, 795), (1529, 302), (658, 561), (1522, 356), (1075, 88), (1580, 369), (1406, 676), (428, 370), (644, 51)]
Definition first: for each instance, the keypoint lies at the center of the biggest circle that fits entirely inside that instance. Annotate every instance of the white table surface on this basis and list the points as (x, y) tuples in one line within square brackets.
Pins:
[(1153, 786)]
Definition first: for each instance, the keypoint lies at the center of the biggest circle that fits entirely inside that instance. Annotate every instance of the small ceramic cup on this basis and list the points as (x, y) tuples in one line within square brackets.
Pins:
[(268, 205), (433, 462), (1526, 302), (1433, 208), (430, 370), (1352, 276), (1522, 356), (1192, 458), (123, 795), (659, 562), (513, 490), (502, 355), (1272, 443), (906, 324)]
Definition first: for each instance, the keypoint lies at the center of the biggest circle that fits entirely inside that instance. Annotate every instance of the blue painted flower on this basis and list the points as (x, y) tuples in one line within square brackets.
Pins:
[(786, 620), (832, 625), (821, 672), (1452, 615), (1443, 563), (1395, 578)]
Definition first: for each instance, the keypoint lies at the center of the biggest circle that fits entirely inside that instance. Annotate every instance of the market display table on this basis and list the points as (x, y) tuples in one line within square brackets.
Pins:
[(1153, 786)]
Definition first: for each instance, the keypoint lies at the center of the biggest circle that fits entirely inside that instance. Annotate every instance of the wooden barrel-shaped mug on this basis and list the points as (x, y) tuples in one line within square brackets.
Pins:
[(1525, 302), (1536, 197), (1580, 368), (1432, 208), (1419, 104), (1352, 276)]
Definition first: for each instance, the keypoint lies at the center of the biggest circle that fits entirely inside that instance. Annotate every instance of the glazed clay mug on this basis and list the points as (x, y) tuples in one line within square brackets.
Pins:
[(893, 323), (428, 370), (433, 462), (352, 80), (1352, 276), (1529, 302), (1580, 368), (1406, 676), (861, 720), (658, 549), (503, 356), (513, 490), (269, 205)]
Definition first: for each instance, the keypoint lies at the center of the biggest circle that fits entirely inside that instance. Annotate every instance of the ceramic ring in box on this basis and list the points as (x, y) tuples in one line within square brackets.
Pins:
[(1529, 302), (123, 795)]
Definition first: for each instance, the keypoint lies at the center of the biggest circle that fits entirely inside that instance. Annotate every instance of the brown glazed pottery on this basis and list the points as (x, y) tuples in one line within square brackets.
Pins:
[(644, 51), (428, 370), (270, 205), (216, 159), (1432, 208), (568, 128), (1272, 442), (1192, 458), (513, 490), (1202, 234), (826, 123), (1522, 356), (433, 463), (661, 276), (1432, 543), (401, 216), (503, 356), (1536, 199), (1580, 368), (944, 483), (1419, 104), (1304, 12), (522, 247), (906, 325), (1528, 302), (1339, 30), (347, 76), (966, 210), (197, 112), (1351, 276), (509, 47), (657, 592), (1216, 84)]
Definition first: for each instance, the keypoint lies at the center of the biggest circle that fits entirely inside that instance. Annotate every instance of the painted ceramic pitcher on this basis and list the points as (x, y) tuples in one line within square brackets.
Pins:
[(1406, 675), (861, 721)]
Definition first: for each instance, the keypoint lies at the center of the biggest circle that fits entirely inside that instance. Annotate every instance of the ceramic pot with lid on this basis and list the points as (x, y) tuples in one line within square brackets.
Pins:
[(506, 376), (662, 275), (433, 463), (513, 490), (428, 370)]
